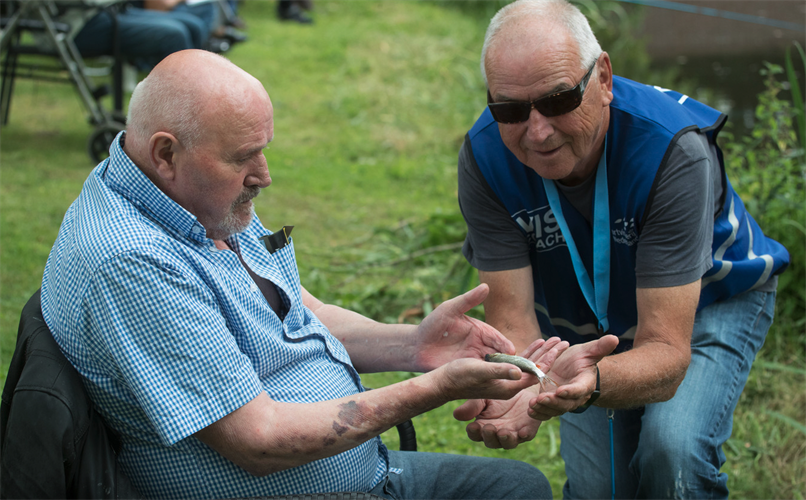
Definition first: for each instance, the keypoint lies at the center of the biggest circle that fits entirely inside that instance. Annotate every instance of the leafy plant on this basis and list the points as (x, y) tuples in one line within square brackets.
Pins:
[(768, 170), (795, 88)]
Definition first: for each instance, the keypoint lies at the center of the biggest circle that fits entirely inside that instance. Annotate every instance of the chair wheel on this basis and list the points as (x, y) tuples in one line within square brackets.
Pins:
[(101, 138)]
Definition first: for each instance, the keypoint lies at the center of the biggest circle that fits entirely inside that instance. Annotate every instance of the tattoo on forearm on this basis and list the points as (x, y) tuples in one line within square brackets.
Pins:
[(355, 415)]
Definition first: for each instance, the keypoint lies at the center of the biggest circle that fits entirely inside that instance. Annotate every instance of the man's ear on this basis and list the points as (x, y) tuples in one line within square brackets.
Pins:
[(162, 151), (605, 78)]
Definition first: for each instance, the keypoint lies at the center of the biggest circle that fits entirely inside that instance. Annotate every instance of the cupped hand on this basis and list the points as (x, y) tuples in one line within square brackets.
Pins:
[(506, 424), (574, 372), (499, 424), (447, 333)]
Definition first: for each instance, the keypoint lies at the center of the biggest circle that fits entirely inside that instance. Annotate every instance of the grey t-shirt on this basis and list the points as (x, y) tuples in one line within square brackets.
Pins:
[(675, 242)]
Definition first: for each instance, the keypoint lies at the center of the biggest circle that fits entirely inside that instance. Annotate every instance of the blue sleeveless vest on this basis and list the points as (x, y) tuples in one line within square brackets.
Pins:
[(645, 122)]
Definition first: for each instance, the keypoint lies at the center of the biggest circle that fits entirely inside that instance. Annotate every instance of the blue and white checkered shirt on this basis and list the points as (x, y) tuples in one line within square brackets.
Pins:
[(171, 334)]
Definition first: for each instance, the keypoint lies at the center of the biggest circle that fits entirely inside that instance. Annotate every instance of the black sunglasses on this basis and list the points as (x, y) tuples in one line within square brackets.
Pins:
[(550, 105)]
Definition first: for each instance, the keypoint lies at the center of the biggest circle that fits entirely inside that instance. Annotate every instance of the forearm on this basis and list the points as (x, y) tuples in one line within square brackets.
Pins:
[(373, 346), (266, 436), (649, 373), (653, 369), (510, 305), (280, 436), (446, 334)]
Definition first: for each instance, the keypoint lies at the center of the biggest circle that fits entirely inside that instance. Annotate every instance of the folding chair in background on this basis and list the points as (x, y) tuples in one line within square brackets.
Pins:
[(40, 19)]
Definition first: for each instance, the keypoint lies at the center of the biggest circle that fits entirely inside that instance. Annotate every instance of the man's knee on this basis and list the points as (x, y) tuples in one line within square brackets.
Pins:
[(527, 481), (440, 475), (678, 465), (152, 37)]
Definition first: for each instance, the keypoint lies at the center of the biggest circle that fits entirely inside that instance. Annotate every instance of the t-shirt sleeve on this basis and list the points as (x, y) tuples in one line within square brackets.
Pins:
[(493, 242), (168, 340), (675, 243)]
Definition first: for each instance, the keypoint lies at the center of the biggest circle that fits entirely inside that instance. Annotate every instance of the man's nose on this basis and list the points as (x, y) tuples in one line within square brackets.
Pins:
[(539, 128), (260, 177)]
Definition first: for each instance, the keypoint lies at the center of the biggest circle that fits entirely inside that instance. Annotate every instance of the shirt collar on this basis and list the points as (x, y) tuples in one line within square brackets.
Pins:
[(126, 178)]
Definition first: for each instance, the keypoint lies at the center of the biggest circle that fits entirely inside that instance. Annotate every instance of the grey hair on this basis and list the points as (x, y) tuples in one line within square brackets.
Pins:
[(561, 11), (156, 102)]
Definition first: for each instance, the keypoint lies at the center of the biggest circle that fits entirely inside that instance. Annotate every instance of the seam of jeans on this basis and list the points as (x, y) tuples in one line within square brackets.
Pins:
[(387, 484)]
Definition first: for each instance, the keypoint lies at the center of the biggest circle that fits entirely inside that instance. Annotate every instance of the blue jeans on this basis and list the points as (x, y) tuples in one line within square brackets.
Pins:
[(673, 449), (444, 476), (144, 35), (206, 11)]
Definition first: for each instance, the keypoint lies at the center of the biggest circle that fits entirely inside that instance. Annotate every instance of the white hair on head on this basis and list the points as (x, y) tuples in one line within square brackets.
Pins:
[(560, 11), (159, 102)]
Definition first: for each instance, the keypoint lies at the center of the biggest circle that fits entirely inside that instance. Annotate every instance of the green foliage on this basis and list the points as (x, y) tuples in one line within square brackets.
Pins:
[(768, 170), (795, 87)]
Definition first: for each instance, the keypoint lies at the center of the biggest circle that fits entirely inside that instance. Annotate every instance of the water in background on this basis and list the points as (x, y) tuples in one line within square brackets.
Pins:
[(732, 84)]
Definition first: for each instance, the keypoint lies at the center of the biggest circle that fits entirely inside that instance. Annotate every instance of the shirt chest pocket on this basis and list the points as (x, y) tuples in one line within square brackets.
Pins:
[(277, 279)]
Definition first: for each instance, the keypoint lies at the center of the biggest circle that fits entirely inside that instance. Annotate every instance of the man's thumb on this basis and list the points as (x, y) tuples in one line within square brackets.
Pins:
[(604, 346), (472, 298), (469, 410)]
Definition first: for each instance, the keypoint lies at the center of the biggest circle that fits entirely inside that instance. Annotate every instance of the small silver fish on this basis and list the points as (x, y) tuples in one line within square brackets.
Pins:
[(524, 364)]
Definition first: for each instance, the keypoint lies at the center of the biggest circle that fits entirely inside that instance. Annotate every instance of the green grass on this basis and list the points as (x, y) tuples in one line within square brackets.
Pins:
[(371, 105)]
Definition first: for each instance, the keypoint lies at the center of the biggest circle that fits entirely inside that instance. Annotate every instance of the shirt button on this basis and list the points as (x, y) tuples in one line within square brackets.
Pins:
[(253, 287)]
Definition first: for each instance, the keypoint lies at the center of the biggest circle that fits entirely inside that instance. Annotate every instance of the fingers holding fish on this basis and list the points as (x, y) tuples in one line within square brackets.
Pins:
[(525, 365), (472, 378)]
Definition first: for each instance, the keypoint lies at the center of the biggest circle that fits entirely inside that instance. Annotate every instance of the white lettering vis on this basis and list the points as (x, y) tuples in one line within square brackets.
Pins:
[(550, 222), (527, 225)]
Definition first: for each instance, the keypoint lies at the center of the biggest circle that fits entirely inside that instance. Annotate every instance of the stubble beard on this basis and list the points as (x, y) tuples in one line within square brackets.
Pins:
[(240, 214)]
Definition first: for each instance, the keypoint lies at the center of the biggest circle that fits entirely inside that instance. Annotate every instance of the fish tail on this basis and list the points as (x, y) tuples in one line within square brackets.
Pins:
[(547, 382)]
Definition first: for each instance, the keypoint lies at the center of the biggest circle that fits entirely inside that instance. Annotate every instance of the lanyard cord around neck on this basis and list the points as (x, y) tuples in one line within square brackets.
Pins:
[(597, 293)]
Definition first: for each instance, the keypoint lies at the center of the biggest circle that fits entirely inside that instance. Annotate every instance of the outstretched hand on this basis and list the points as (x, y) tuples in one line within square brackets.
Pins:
[(575, 376), (447, 333), (506, 423)]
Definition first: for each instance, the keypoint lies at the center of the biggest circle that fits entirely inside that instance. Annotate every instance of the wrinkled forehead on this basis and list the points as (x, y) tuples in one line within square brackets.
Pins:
[(531, 40), (532, 55)]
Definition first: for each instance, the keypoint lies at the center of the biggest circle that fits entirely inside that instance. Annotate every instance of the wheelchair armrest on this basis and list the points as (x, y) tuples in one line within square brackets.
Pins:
[(36, 25)]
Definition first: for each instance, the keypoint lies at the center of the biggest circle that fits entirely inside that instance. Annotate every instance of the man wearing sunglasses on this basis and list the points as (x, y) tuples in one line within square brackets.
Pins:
[(596, 204)]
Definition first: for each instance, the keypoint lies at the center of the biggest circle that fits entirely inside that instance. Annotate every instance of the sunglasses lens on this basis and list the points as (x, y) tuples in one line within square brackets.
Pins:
[(510, 112), (553, 105), (560, 103)]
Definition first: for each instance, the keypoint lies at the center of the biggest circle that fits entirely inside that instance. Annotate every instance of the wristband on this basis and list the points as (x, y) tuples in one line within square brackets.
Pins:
[(593, 398)]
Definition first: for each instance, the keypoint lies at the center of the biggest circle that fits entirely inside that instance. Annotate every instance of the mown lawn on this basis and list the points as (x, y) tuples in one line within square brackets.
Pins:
[(371, 104)]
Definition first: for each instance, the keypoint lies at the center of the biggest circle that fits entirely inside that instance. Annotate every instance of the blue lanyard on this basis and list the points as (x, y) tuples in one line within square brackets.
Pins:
[(597, 294)]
